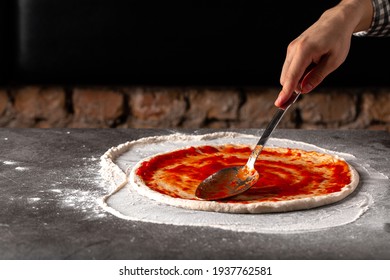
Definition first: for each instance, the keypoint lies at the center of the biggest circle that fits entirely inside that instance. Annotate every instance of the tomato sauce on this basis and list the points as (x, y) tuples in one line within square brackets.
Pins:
[(284, 173)]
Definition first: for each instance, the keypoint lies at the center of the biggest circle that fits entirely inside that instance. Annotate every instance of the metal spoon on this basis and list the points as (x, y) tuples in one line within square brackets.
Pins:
[(232, 181)]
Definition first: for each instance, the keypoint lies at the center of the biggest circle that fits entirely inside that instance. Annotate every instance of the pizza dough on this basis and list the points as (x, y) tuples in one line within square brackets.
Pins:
[(124, 202), (118, 163), (290, 179)]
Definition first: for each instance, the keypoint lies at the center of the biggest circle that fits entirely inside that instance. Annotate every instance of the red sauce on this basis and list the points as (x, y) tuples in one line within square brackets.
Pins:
[(284, 173)]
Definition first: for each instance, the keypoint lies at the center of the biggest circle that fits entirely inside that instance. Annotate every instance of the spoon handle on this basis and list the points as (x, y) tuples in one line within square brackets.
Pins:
[(270, 128)]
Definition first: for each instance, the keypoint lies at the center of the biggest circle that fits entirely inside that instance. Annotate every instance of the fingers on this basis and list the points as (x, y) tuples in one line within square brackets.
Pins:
[(294, 68), (325, 44), (319, 72), (312, 79), (287, 61), (306, 67), (285, 94), (305, 80)]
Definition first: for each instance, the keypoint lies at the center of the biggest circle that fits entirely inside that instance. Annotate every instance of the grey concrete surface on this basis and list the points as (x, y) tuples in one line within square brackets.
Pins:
[(49, 184)]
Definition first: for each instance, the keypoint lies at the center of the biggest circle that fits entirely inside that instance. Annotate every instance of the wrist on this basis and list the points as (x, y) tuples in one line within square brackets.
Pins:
[(357, 13)]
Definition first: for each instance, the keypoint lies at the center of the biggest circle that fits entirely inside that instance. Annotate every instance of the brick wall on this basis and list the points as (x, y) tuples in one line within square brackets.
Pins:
[(100, 107)]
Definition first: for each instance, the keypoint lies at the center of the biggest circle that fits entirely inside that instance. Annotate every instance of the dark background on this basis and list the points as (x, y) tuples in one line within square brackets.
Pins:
[(145, 42)]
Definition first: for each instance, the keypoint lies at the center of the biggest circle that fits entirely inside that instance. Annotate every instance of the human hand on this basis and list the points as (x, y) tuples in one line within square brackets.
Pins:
[(321, 49)]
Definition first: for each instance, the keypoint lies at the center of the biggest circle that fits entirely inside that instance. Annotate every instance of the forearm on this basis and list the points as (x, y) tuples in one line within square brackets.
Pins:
[(354, 15)]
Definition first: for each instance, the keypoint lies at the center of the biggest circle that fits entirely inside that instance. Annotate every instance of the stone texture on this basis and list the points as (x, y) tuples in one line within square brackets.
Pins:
[(3, 101), (154, 107), (6, 111), (40, 107), (330, 109), (215, 107), (258, 109), (377, 106), (97, 107), (374, 111)]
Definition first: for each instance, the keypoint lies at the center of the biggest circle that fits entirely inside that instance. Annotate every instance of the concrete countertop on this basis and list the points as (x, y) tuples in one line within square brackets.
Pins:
[(50, 183)]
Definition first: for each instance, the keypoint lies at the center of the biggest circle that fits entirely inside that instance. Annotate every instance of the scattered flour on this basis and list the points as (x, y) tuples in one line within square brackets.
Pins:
[(58, 188), (81, 200), (20, 168), (33, 199), (124, 202), (8, 162)]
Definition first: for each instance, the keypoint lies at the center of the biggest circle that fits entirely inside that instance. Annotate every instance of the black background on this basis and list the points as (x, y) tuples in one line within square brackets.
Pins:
[(238, 43)]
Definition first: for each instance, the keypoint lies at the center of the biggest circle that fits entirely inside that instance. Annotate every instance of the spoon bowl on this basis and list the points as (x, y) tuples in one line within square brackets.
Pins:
[(227, 182)]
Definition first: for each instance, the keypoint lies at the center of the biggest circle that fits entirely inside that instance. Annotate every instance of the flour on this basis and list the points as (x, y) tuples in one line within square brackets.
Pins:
[(33, 199), (8, 162), (56, 190), (81, 199), (124, 202), (57, 187), (11, 163), (21, 168)]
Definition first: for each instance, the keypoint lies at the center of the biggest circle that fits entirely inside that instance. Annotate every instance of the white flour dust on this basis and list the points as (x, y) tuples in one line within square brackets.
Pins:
[(13, 163), (57, 188), (8, 162), (124, 202), (21, 168), (83, 198)]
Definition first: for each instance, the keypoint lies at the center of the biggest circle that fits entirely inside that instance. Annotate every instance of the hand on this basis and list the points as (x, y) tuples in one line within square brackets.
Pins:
[(322, 48)]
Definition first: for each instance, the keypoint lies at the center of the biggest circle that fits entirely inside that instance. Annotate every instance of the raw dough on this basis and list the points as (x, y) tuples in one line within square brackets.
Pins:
[(126, 203)]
